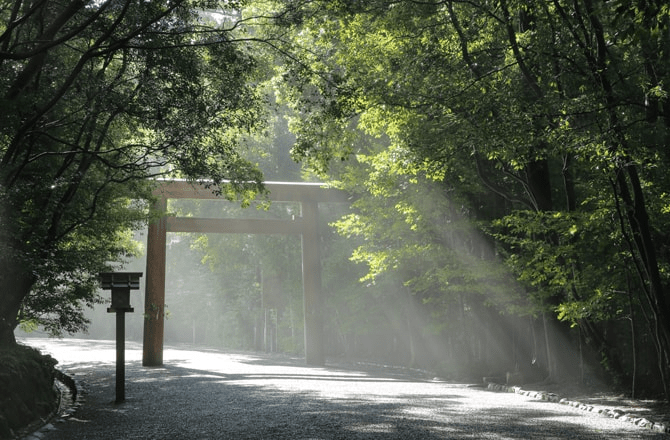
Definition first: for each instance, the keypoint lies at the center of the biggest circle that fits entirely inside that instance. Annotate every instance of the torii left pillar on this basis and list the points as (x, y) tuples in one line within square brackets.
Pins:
[(154, 297)]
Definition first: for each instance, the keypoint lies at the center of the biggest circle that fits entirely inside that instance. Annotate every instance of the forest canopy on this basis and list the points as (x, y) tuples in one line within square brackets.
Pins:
[(530, 133)]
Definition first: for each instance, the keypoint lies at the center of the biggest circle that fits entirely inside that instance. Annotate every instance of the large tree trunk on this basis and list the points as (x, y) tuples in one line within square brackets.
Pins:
[(15, 283)]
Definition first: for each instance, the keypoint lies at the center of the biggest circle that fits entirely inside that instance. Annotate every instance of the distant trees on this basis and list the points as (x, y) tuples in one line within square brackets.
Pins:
[(96, 97)]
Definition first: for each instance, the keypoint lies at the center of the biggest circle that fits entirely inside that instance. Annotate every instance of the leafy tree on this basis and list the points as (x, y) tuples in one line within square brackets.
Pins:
[(97, 98), (549, 119)]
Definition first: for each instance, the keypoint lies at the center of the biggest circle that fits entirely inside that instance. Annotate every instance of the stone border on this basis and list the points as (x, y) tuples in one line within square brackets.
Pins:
[(71, 399), (608, 412)]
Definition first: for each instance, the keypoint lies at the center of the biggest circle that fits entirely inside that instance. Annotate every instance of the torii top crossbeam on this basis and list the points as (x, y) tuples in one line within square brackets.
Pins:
[(278, 191)]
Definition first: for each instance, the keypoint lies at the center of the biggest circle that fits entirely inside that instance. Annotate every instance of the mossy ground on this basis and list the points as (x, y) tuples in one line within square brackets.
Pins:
[(26, 388)]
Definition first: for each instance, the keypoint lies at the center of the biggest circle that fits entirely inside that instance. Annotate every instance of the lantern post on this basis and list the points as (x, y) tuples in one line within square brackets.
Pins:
[(120, 283)]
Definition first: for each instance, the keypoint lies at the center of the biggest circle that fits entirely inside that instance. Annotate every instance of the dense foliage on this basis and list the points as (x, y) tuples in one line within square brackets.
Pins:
[(96, 98), (544, 124)]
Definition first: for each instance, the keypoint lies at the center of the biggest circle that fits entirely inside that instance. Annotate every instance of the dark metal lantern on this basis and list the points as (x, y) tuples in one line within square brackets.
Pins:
[(120, 283)]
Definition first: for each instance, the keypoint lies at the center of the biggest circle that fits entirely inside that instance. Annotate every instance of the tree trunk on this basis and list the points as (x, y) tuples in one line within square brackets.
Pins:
[(539, 184), (569, 184), (16, 285), (412, 345), (633, 344), (551, 366)]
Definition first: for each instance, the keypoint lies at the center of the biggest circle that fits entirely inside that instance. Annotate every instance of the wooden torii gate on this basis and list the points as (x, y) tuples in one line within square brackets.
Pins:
[(309, 195)]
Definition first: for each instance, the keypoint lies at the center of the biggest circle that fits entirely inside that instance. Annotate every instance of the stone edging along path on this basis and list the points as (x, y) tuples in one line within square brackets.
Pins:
[(71, 399), (608, 412)]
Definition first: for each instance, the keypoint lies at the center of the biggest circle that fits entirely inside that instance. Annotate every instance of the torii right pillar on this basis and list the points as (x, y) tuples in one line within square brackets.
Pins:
[(311, 284)]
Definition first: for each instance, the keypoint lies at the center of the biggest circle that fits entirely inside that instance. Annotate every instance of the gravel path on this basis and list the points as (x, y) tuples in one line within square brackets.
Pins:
[(211, 394)]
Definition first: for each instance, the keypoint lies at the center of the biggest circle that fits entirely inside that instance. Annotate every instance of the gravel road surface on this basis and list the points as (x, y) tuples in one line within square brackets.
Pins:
[(213, 394)]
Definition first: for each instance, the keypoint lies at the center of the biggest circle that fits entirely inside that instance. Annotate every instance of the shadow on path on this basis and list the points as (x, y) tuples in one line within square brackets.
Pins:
[(248, 396)]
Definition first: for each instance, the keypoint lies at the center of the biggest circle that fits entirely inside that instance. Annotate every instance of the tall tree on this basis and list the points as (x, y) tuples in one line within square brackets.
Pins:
[(559, 108), (96, 98)]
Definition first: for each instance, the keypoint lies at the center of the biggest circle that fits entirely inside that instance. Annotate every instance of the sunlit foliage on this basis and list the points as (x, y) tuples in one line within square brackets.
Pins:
[(97, 98), (543, 124)]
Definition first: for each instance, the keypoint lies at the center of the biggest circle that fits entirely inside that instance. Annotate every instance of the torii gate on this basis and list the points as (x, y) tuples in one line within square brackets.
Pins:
[(307, 194)]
